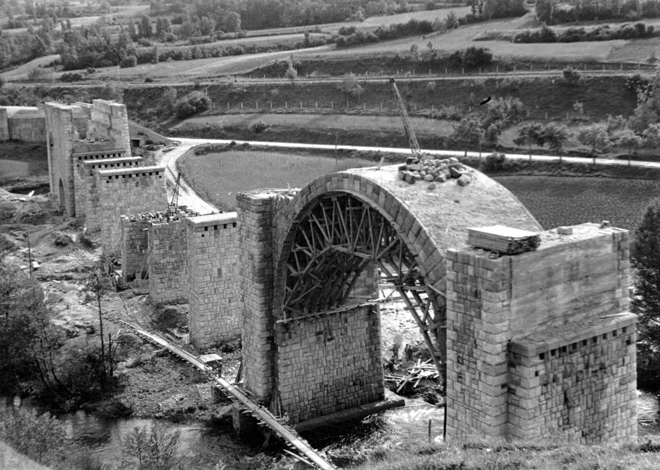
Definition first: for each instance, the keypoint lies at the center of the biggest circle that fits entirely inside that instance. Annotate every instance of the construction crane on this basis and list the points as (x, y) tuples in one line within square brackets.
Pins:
[(173, 207), (407, 126)]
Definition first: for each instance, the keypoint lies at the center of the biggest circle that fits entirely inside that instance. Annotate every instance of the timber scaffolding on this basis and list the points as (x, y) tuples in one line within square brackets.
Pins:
[(238, 397)]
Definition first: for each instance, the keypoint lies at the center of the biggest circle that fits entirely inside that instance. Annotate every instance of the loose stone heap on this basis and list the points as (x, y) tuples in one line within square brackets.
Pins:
[(541, 343), (434, 170)]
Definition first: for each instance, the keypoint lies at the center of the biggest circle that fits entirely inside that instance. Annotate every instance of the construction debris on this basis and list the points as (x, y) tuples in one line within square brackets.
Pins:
[(420, 371), (434, 170), (504, 240)]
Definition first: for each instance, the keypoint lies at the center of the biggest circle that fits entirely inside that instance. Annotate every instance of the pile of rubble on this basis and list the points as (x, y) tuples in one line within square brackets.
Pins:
[(159, 216), (434, 170)]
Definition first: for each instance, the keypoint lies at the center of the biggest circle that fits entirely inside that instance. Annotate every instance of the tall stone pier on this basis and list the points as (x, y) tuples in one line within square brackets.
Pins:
[(541, 344)]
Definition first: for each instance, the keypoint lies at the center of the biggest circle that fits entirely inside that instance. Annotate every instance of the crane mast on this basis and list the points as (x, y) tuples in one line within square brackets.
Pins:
[(407, 127)]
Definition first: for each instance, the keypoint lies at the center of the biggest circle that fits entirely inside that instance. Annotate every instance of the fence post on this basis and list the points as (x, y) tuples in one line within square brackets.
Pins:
[(463, 71), (347, 105), (364, 106), (286, 104), (301, 105), (531, 67), (514, 68), (332, 105), (432, 107), (271, 105), (316, 104), (241, 105), (497, 69), (257, 105), (227, 104), (381, 105), (429, 71), (446, 71)]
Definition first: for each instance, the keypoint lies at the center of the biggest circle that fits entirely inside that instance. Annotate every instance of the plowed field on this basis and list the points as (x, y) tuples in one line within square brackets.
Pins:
[(558, 201)]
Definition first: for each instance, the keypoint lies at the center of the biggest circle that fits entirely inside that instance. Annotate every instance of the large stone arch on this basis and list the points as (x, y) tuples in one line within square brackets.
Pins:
[(427, 222)]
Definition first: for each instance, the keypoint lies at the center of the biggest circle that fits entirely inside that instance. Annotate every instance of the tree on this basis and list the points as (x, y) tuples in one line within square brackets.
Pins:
[(630, 141), (206, 26), (530, 133), (652, 136), (231, 22), (291, 73), (153, 450), (349, 84), (469, 132), (132, 31), (98, 284), (645, 260), (451, 21), (571, 76), (112, 92), (594, 136), (145, 27), (555, 135)]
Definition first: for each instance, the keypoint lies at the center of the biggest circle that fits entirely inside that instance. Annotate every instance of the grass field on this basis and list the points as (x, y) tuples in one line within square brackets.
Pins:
[(218, 177), (322, 121), (556, 201)]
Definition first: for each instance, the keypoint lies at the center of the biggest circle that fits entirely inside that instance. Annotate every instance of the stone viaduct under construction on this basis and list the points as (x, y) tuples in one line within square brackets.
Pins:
[(533, 345)]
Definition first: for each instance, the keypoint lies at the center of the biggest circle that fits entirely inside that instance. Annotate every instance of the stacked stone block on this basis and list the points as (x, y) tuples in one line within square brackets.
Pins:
[(90, 194), (565, 293), (255, 219), (338, 358), (214, 284), (577, 381), (79, 158), (168, 261), (135, 248), (126, 192), (4, 124)]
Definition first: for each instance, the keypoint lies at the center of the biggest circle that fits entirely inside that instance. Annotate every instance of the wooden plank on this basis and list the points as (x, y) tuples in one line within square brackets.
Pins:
[(503, 239), (258, 411)]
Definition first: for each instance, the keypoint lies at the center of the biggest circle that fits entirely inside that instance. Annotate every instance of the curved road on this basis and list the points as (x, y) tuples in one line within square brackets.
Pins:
[(188, 197)]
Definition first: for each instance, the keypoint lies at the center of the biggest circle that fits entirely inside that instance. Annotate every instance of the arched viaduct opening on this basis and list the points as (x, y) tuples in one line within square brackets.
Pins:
[(311, 339)]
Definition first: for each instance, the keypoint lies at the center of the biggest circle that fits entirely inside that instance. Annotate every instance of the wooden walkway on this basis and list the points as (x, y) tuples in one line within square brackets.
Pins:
[(291, 437)]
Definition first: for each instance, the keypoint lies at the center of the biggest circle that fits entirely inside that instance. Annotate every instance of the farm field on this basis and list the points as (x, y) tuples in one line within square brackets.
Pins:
[(322, 121), (556, 201), (217, 177)]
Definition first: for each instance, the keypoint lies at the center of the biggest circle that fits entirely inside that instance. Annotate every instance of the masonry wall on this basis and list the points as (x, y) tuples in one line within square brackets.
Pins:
[(109, 120), (27, 125), (255, 220), (168, 261), (215, 284), (126, 192), (135, 248), (81, 155), (88, 172), (329, 363), (578, 383), (572, 283), (4, 125), (60, 127)]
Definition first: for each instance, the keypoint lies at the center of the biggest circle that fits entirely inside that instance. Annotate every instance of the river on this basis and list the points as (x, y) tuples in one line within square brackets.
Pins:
[(345, 444)]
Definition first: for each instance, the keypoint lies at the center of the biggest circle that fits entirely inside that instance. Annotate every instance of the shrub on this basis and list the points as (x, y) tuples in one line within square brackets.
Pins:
[(258, 127), (571, 76), (39, 74), (71, 77), (493, 163), (128, 61), (193, 103)]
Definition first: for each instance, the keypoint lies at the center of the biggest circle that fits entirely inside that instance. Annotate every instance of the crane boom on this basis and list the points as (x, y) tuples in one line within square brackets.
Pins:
[(172, 208), (407, 127)]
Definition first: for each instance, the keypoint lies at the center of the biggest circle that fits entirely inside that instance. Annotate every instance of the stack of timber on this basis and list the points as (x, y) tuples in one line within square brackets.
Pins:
[(418, 372), (504, 240)]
